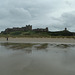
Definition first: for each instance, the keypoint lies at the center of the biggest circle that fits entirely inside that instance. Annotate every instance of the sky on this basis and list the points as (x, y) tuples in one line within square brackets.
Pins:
[(54, 14)]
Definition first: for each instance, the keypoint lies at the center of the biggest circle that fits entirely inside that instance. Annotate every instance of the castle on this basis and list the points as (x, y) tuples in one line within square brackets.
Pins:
[(64, 32), (26, 28)]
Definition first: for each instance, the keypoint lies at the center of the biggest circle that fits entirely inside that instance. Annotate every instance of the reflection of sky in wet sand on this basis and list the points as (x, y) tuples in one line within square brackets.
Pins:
[(37, 59)]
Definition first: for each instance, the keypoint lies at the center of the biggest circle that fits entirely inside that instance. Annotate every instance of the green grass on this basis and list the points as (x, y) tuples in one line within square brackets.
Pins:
[(33, 34)]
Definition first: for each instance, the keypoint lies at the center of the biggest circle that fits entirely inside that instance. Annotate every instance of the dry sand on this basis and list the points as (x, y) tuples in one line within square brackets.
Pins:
[(38, 40)]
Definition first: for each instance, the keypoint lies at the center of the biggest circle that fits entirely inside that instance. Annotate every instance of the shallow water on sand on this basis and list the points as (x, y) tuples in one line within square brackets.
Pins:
[(37, 59)]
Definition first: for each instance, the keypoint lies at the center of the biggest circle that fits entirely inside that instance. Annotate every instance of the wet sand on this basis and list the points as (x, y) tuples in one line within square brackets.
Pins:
[(37, 59), (38, 40)]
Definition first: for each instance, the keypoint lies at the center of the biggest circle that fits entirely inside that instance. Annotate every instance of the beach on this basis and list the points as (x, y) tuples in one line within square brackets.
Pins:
[(37, 56), (38, 40)]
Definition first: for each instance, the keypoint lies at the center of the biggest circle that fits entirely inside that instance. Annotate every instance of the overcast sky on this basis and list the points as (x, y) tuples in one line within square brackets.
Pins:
[(55, 14)]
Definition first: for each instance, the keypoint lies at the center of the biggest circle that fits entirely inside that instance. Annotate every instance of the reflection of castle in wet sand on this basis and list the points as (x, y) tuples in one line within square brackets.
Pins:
[(27, 47)]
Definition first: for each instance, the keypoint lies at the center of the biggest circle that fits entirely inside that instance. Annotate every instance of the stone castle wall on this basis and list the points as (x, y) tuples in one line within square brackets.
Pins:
[(26, 28)]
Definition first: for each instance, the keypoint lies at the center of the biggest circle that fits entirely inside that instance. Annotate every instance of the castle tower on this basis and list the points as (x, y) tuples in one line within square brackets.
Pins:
[(28, 27), (47, 29), (65, 29)]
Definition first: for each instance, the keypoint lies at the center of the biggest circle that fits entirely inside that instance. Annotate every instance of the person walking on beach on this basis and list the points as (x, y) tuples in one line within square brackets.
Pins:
[(7, 38)]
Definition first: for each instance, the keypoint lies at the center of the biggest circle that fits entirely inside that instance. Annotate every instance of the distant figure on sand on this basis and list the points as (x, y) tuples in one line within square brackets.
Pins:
[(7, 38)]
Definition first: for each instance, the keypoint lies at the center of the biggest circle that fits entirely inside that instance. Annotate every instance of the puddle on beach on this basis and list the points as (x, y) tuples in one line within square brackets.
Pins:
[(37, 59)]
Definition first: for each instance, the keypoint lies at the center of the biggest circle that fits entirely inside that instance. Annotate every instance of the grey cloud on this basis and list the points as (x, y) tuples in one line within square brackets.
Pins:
[(66, 20), (39, 13), (68, 3), (19, 14), (3, 13)]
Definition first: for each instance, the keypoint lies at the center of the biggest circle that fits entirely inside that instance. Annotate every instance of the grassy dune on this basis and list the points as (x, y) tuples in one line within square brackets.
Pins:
[(32, 34)]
